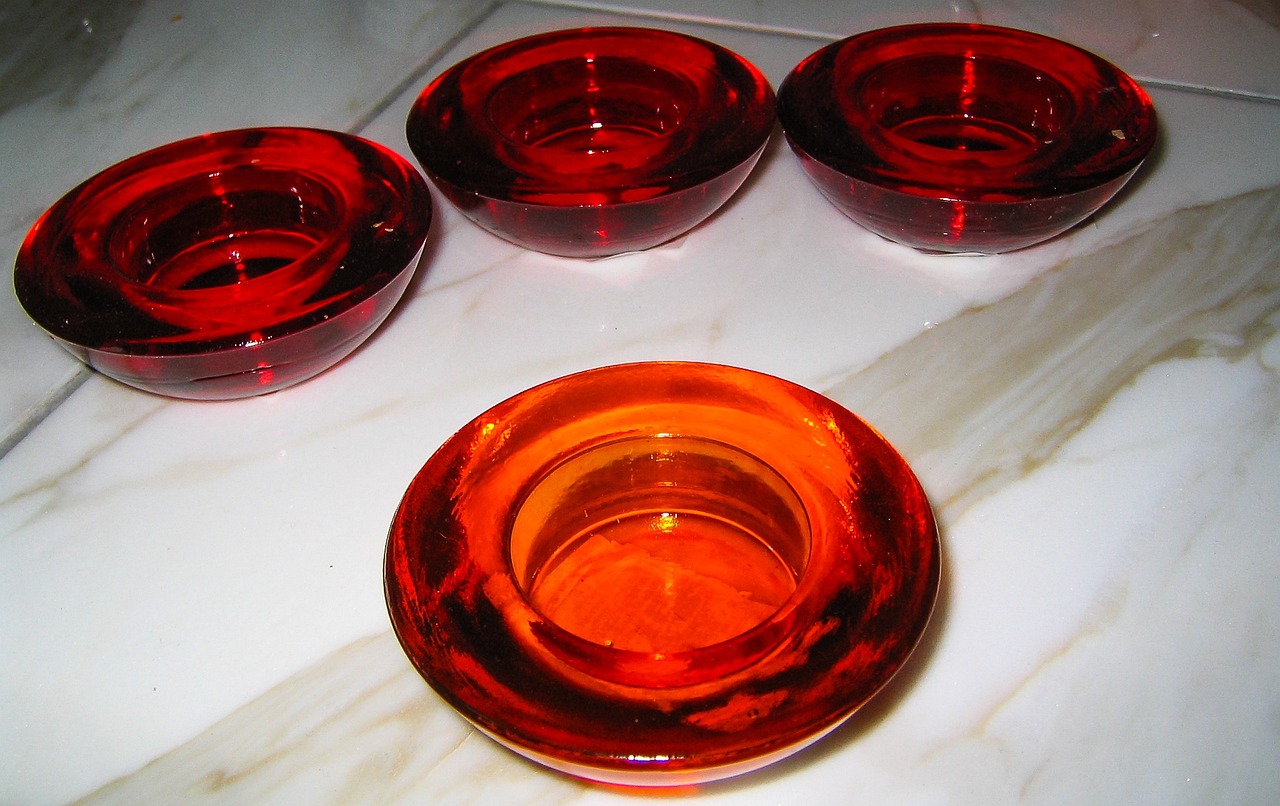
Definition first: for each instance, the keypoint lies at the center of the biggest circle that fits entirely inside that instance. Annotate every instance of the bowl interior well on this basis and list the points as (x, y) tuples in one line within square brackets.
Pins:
[(659, 544)]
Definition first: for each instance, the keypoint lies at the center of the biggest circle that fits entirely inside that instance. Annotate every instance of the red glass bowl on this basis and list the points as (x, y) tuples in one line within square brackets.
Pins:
[(230, 264), (594, 141), (661, 573), (965, 138)]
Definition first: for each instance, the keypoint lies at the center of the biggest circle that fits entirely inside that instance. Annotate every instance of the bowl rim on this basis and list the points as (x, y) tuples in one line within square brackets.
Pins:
[(456, 141), (206, 156), (820, 122), (439, 620)]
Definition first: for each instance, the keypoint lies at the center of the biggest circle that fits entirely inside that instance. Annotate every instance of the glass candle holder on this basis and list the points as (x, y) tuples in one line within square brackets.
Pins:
[(594, 141), (661, 574), (230, 264), (965, 138)]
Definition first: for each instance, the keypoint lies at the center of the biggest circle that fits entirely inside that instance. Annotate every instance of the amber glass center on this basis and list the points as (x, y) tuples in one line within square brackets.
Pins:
[(223, 229), (966, 104), (659, 544), (592, 107)]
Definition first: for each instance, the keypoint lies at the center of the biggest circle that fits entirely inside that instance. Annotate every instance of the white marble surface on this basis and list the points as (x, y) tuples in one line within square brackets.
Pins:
[(190, 595)]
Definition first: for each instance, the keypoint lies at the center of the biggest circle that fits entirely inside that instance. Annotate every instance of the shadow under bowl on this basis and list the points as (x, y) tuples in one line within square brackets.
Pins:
[(661, 574), (595, 141), (960, 137), (227, 265)]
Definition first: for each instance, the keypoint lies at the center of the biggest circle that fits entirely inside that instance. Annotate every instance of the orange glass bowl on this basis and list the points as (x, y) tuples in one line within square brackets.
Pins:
[(965, 138), (230, 264), (661, 573), (594, 141)]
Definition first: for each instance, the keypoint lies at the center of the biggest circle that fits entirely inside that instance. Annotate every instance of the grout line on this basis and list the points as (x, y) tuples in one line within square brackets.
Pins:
[(675, 16), (1203, 89), (37, 413), (415, 75)]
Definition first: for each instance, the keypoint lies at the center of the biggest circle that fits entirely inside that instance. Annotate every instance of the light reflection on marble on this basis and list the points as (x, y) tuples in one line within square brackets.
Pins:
[(190, 599)]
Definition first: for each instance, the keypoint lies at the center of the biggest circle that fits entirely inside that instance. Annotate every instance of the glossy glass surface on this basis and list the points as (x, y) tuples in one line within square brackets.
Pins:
[(661, 573), (229, 264), (593, 141), (965, 138)]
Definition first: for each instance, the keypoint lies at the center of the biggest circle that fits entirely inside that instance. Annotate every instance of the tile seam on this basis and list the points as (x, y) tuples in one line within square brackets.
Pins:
[(674, 16), (37, 412), (1204, 89), (415, 75)]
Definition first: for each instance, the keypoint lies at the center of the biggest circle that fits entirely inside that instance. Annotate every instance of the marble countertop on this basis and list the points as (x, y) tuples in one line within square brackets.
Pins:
[(191, 602)]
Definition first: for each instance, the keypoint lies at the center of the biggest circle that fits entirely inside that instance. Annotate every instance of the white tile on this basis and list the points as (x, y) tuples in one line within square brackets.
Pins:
[(818, 18)]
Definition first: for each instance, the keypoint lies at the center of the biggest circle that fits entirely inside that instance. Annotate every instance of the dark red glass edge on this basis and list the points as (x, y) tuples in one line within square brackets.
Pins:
[(417, 202)]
